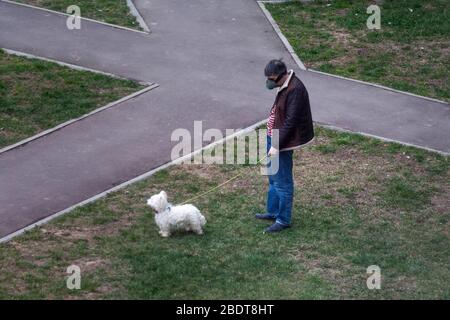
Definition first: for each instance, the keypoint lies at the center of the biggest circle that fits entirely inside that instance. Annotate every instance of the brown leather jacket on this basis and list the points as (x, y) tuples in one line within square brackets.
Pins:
[(293, 115)]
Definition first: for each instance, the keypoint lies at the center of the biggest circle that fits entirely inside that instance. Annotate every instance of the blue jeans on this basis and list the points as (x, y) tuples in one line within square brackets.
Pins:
[(281, 188)]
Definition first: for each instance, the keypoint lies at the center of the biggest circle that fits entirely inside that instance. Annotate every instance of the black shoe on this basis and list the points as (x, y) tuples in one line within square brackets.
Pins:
[(265, 216), (276, 227)]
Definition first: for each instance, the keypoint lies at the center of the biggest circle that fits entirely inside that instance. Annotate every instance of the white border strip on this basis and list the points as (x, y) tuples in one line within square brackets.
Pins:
[(135, 12), (380, 86), (331, 127), (65, 124), (149, 87), (83, 18), (280, 34), (127, 183), (302, 66), (69, 65)]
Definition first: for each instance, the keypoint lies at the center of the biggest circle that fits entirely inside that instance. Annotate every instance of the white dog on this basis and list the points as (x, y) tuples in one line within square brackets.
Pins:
[(170, 218)]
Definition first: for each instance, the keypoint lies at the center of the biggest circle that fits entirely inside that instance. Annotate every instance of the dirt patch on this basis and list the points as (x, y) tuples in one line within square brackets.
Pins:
[(333, 268), (342, 12), (346, 169), (441, 202), (89, 264), (6, 134), (88, 233), (342, 37)]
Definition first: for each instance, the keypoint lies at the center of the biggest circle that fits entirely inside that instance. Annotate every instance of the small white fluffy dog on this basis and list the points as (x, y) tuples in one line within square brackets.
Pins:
[(170, 218)]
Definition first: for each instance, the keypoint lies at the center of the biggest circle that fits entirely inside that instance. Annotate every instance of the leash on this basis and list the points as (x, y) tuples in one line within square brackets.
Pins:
[(220, 185)]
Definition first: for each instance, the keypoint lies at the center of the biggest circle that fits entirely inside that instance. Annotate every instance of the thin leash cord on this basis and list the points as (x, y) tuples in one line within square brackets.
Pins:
[(220, 185)]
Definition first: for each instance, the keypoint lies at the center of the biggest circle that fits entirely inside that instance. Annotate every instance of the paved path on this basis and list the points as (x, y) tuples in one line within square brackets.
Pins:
[(208, 57)]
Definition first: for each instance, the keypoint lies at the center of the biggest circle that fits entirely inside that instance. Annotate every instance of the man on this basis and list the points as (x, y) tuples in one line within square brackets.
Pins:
[(291, 118)]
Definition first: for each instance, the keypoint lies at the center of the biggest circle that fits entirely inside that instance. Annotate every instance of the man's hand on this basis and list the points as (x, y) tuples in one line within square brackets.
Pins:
[(272, 152)]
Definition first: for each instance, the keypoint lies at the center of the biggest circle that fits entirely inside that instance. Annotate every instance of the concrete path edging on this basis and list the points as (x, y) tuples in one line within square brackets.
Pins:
[(150, 86), (69, 65), (129, 182), (380, 86), (146, 31), (339, 129), (135, 12), (303, 67), (65, 124), (277, 30)]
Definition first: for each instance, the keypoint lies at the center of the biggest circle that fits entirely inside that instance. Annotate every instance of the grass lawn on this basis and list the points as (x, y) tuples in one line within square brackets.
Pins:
[(36, 95), (358, 202), (110, 11), (411, 51)]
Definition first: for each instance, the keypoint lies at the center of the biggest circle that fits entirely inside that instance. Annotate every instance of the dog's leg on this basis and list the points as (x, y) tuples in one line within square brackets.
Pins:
[(198, 230), (165, 234)]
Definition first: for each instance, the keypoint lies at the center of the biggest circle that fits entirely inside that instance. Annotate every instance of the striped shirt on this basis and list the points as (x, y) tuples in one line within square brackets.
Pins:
[(271, 121)]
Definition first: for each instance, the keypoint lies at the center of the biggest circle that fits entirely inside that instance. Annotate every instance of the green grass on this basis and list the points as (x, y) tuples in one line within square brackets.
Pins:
[(36, 95), (410, 52), (110, 11), (366, 202)]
